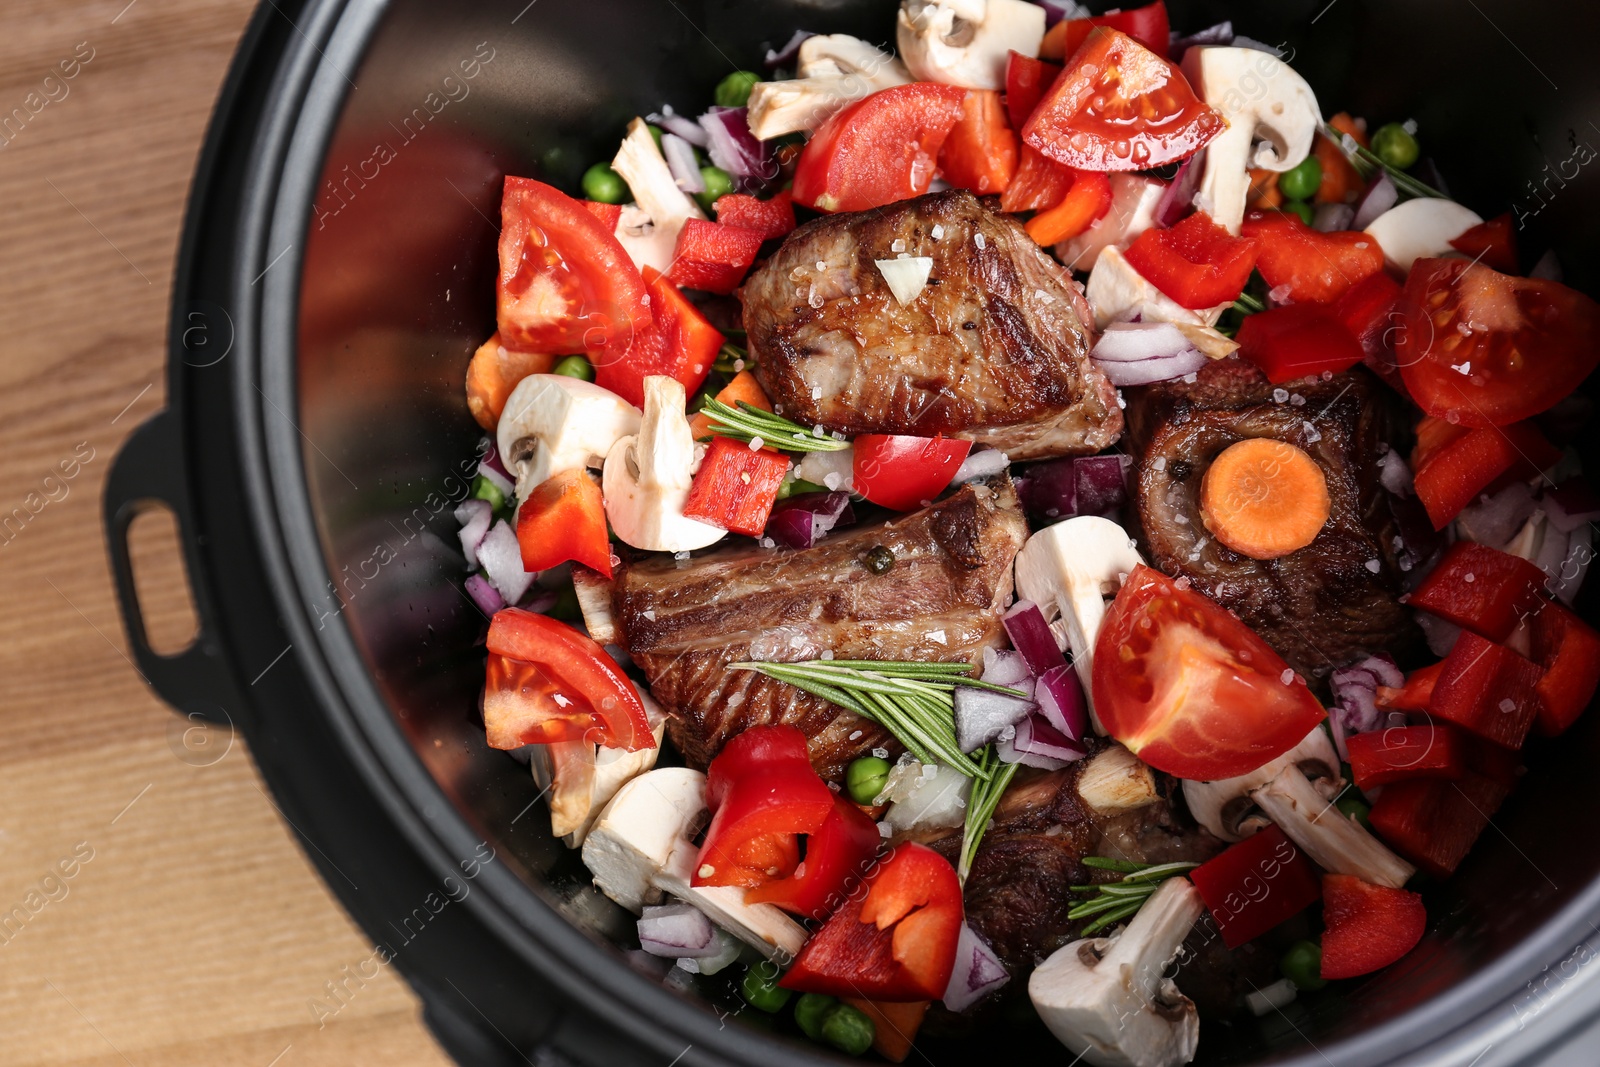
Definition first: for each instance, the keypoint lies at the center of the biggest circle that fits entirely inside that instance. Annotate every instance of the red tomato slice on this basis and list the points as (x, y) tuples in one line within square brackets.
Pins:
[(1189, 688), (1486, 349), (1197, 263), (1119, 106), (1148, 25), (547, 682), (878, 150), (904, 472), (565, 284)]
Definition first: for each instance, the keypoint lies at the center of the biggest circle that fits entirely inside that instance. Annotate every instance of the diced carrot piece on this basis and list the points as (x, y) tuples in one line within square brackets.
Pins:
[(1264, 194), (1341, 182), (1264, 498), (743, 387), (895, 1025), (494, 371)]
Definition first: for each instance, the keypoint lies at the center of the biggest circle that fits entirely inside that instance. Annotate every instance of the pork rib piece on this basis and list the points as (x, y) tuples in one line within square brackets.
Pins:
[(683, 622), (994, 349), (1326, 604)]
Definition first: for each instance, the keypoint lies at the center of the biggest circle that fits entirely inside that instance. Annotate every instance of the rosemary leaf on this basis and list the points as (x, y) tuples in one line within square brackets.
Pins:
[(1367, 162), (1114, 901), (748, 422)]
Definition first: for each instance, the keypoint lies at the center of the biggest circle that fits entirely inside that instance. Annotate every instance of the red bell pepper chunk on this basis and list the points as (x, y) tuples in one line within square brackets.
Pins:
[(770, 218), (1488, 690), (895, 942), (1433, 822), (1369, 926), (1368, 311), (1317, 267), (1026, 81), (1482, 589), (1415, 694), (838, 855), (1039, 183), (1492, 243), (981, 151), (1256, 885), (564, 519), (736, 486), (762, 792), (1295, 341), (679, 342), (1085, 204), (1400, 752), (608, 214), (903, 472), (547, 683), (1452, 473), (1568, 650), (1197, 263), (1148, 25), (713, 257)]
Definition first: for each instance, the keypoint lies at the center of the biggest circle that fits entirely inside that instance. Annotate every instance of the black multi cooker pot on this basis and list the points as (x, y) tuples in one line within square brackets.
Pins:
[(336, 273)]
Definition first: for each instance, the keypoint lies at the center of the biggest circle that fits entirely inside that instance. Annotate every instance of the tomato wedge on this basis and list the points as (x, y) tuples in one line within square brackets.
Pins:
[(903, 472), (878, 150), (547, 682), (1189, 688), (1484, 349), (565, 284), (1119, 106)]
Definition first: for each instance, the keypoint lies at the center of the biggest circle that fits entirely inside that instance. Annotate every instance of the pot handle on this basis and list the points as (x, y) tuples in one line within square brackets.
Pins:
[(149, 472)]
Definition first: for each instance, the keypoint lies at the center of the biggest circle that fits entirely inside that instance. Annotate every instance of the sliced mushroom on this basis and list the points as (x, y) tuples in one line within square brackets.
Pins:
[(1225, 806), (554, 423), (1272, 116), (835, 70), (965, 42), (1109, 1000), (1420, 229), (647, 477), (1118, 292), (648, 229), (1068, 570), (1115, 781), (580, 777), (1334, 840)]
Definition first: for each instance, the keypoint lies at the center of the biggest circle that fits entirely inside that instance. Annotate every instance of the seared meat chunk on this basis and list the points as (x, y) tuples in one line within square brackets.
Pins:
[(993, 349), (1323, 605), (683, 622)]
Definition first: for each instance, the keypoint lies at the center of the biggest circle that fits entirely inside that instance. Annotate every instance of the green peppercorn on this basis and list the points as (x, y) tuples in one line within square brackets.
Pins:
[(878, 559), (1300, 208), (848, 1029), (575, 367), (484, 489), (1302, 965), (865, 778), (734, 90), (1303, 181), (719, 183), (1394, 145), (602, 183), (760, 987), (810, 1011), (1353, 807)]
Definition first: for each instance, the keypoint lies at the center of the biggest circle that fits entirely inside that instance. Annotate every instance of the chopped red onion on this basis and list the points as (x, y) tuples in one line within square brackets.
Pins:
[(785, 55), (1495, 520), (1005, 667), (1330, 218), (680, 160), (982, 715), (1031, 637), (1571, 504), (978, 972), (501, 557), (483, 594), (980, 465), (680, 125), (1355, 694), (1128, 342), (1101, 483), (1221, 33), (1177, 201), (801, 521), (1395, 475), (539, 600), (1038, 744), (1049, 491), (1579, 553), (677, 930), (491, 458), (1380, 195), (1060, 697), (495, 475), (1149, 371), (732, 146), (474, 517)]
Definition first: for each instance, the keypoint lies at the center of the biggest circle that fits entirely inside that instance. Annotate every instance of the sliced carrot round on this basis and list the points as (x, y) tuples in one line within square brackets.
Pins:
[(1264, 498)]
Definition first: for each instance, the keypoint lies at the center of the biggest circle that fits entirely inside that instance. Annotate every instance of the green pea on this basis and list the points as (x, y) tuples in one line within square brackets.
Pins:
[(1300, 208), (1302, 965), (575, 367), (848, 1029), (809, 1012), (484, 489), (1395, 146), (1301, 182), (1353, 807), (760, 987), (734, 90), (655, 134), (602, 183), (719, 183), (865, 778)]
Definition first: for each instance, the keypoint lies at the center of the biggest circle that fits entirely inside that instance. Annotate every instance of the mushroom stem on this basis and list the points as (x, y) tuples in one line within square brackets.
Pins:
[(1336, 842)]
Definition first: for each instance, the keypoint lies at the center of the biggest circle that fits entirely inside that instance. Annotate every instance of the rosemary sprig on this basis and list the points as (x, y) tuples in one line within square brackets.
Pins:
[(731, 359), (1367, 162), (1111, 902), (1248, 305), (748, 422), (981, 805)]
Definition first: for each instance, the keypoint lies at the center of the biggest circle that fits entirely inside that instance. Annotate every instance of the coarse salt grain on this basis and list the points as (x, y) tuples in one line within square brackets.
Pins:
[(938, 231), (1287, 676), (816, 392), (650, 615), (822, 264), (1508, 705), (1373, 565), (827, 653), (1469, 577), (1280, 396), (881, 753), (855, 735), (1296, 400), (1159, 463), (981, 241), (756, 443), (899, 245)]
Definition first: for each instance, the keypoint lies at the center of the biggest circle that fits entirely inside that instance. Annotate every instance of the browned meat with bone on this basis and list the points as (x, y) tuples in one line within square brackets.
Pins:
[(1327, 603), (993, 349), (683, 622)]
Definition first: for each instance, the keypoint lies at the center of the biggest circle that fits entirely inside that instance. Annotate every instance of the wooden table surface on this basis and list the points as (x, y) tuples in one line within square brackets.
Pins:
[(161, 911)]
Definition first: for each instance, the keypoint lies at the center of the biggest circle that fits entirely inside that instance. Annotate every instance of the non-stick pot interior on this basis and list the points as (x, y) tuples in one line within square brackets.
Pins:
[(397, 291)]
